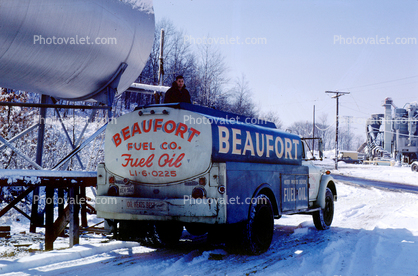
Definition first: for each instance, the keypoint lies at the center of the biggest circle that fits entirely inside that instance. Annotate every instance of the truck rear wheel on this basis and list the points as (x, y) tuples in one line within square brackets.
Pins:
[(167, 233), (323, 218), (196, 229), (414, 166), (258, 231)]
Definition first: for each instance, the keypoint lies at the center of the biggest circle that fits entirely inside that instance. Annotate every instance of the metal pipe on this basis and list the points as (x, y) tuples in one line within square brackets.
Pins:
[(80, 147), (23, 133)]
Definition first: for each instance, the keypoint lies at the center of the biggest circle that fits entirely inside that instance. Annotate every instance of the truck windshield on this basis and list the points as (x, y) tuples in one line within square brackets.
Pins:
[(312, 148)]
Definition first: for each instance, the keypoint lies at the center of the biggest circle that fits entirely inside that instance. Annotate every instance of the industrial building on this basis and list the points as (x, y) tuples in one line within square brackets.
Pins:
[(394, 134)]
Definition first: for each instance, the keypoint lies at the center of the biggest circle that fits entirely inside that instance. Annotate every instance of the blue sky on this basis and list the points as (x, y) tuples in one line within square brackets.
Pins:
[(308, 47)]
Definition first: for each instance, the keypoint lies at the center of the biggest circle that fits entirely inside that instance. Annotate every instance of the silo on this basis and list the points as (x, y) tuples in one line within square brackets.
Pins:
[(388, 125)]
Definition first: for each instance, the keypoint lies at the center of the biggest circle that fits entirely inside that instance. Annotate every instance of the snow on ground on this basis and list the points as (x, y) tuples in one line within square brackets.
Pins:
[(386, 173), (398, 174), (375, 232)]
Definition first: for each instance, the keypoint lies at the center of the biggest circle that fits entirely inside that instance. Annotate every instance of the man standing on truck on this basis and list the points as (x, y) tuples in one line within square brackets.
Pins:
[(178, 92)]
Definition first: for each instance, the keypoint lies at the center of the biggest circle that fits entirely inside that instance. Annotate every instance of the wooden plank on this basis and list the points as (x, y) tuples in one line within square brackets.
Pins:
[(62, 222), (5, 235), (20, 211), (5, 228), (95, 230), (53, 181)]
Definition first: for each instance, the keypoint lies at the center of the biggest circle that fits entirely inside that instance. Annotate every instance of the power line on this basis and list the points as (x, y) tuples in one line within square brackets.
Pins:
[(383, 82)]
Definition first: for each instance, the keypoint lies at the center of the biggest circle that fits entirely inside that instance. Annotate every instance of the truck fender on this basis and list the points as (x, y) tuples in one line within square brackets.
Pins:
[(326, 182), (266, 189)]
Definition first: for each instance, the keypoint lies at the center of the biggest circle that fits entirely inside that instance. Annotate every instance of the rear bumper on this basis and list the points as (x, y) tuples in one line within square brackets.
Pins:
[(130, 208)]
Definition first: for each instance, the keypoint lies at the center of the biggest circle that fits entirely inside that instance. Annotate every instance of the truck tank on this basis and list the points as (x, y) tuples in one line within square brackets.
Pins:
[(162, 144), (73, 49)]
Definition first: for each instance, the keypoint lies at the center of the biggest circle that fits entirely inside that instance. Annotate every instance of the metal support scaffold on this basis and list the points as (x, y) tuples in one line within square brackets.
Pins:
[(73, 182)]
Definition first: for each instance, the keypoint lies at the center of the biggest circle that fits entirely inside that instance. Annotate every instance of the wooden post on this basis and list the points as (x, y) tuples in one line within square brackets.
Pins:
[(83, 206), (74, 221), (61, 201), (49, 219), (61, 204)]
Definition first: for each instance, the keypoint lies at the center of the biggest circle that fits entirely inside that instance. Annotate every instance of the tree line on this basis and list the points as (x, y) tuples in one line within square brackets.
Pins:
[(205, 74)]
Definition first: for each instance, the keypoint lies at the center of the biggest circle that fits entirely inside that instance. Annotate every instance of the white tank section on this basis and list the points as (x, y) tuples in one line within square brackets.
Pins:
[(157, 146), (73, 49)]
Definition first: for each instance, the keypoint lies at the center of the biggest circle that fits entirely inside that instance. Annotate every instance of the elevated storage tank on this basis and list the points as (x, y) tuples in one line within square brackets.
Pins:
[(73, 49)]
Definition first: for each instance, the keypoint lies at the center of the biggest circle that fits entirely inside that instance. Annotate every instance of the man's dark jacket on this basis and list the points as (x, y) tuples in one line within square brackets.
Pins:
[(174, 95)]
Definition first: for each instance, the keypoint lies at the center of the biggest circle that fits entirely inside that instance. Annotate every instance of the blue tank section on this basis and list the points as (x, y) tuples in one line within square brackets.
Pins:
[(239, 138)]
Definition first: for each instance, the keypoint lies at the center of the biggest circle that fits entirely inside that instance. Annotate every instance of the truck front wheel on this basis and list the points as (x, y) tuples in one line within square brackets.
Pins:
[(323, 218), (414, 166), (258, 232)]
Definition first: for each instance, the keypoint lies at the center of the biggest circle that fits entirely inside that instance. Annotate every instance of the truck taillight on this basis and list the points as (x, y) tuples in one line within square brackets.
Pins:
[(327, 172), (221, 189), (112, 180), (202, 181)]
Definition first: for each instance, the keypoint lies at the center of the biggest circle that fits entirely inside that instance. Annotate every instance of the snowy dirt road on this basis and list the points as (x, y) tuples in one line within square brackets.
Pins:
[(375, 232)]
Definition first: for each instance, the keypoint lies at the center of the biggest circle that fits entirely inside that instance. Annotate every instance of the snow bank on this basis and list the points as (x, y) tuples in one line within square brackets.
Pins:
[(57, 256)]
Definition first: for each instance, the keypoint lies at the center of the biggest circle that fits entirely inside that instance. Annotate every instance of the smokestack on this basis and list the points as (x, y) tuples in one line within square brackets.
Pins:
[(388, 125)]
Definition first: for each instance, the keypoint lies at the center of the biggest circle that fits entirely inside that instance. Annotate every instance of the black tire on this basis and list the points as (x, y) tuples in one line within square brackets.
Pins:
[(258, 231), (130, 230), (414, 167), (323, 218), (167, 233), (197, 229)]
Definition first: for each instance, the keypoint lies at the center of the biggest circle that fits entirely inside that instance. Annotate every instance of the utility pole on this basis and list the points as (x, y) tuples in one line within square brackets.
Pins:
[(313, 131), (158, 95), (336, 96)]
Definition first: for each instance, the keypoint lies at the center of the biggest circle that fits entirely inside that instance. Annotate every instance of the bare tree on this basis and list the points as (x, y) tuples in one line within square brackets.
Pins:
[(326, 132), (272, 116), (178, 57), (212, 77), (301, 128), (242, 102)]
